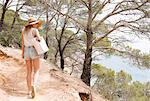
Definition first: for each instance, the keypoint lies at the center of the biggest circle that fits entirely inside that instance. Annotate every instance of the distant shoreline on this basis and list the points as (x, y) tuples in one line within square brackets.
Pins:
[(117, 64)]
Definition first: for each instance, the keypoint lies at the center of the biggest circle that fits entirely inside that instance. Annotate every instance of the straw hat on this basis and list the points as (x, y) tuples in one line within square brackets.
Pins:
[(32, 21)]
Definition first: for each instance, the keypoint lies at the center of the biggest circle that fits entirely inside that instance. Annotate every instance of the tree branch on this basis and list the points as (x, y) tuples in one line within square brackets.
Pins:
[(69, 39), (83, 2), (115, 27), (100, 8), (59, 12), (115, 13)]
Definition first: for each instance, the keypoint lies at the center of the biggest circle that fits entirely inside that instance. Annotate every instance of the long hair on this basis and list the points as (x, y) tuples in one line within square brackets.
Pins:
[(27, 28)]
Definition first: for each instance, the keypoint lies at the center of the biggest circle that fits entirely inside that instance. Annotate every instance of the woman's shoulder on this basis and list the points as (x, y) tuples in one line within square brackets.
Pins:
[(34, 29)]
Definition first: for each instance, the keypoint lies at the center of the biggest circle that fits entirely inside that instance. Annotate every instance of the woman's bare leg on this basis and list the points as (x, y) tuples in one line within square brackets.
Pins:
[(29, 75), (36, 65)]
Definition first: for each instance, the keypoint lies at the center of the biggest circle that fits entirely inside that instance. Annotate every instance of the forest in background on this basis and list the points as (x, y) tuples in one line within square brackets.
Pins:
[(74, 35)]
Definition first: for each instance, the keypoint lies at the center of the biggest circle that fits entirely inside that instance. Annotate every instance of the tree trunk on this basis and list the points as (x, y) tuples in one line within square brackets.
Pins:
[(86, 74), (55, 60), (47, 29), (14, 20), (46, 54), (61, 56), (3, 15), (16, 13), (61, 50), (61, 61)]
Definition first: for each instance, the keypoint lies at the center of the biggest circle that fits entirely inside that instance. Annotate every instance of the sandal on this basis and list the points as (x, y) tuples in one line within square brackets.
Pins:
[(33, 92)]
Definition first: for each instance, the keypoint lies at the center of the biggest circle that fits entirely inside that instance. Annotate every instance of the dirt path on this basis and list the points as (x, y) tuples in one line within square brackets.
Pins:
[(53, 84)]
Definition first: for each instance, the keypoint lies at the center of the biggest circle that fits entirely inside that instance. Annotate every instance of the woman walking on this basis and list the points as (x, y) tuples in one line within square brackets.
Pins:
[(29, 32)]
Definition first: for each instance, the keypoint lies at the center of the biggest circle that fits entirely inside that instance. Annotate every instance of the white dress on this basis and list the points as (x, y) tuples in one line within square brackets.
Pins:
[(29, 36), (29, 50)]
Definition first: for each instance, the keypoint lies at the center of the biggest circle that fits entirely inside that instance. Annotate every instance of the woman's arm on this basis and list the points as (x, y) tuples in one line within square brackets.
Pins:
[(22, 43), (36, 34)]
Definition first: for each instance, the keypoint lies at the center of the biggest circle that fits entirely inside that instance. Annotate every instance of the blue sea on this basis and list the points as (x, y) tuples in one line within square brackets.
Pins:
[(117, 64)]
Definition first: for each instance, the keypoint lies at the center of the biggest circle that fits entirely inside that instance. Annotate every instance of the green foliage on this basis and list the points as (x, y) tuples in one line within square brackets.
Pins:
[(136, 57), (5, 40), (102, 29), (138, 92), (96, 5), (7, 36), (9, 16), (122, 77), (31, 2), (119, 85), (71, 45), (103, 43)]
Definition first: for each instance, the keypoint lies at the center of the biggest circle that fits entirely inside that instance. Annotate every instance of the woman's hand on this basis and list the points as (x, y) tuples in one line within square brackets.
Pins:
[(22, 44), (37, 35), (39, 38), (23, 53), (23, 56)]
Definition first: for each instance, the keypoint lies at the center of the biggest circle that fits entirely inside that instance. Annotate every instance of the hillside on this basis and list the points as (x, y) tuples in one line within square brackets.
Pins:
[(54, 85)]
